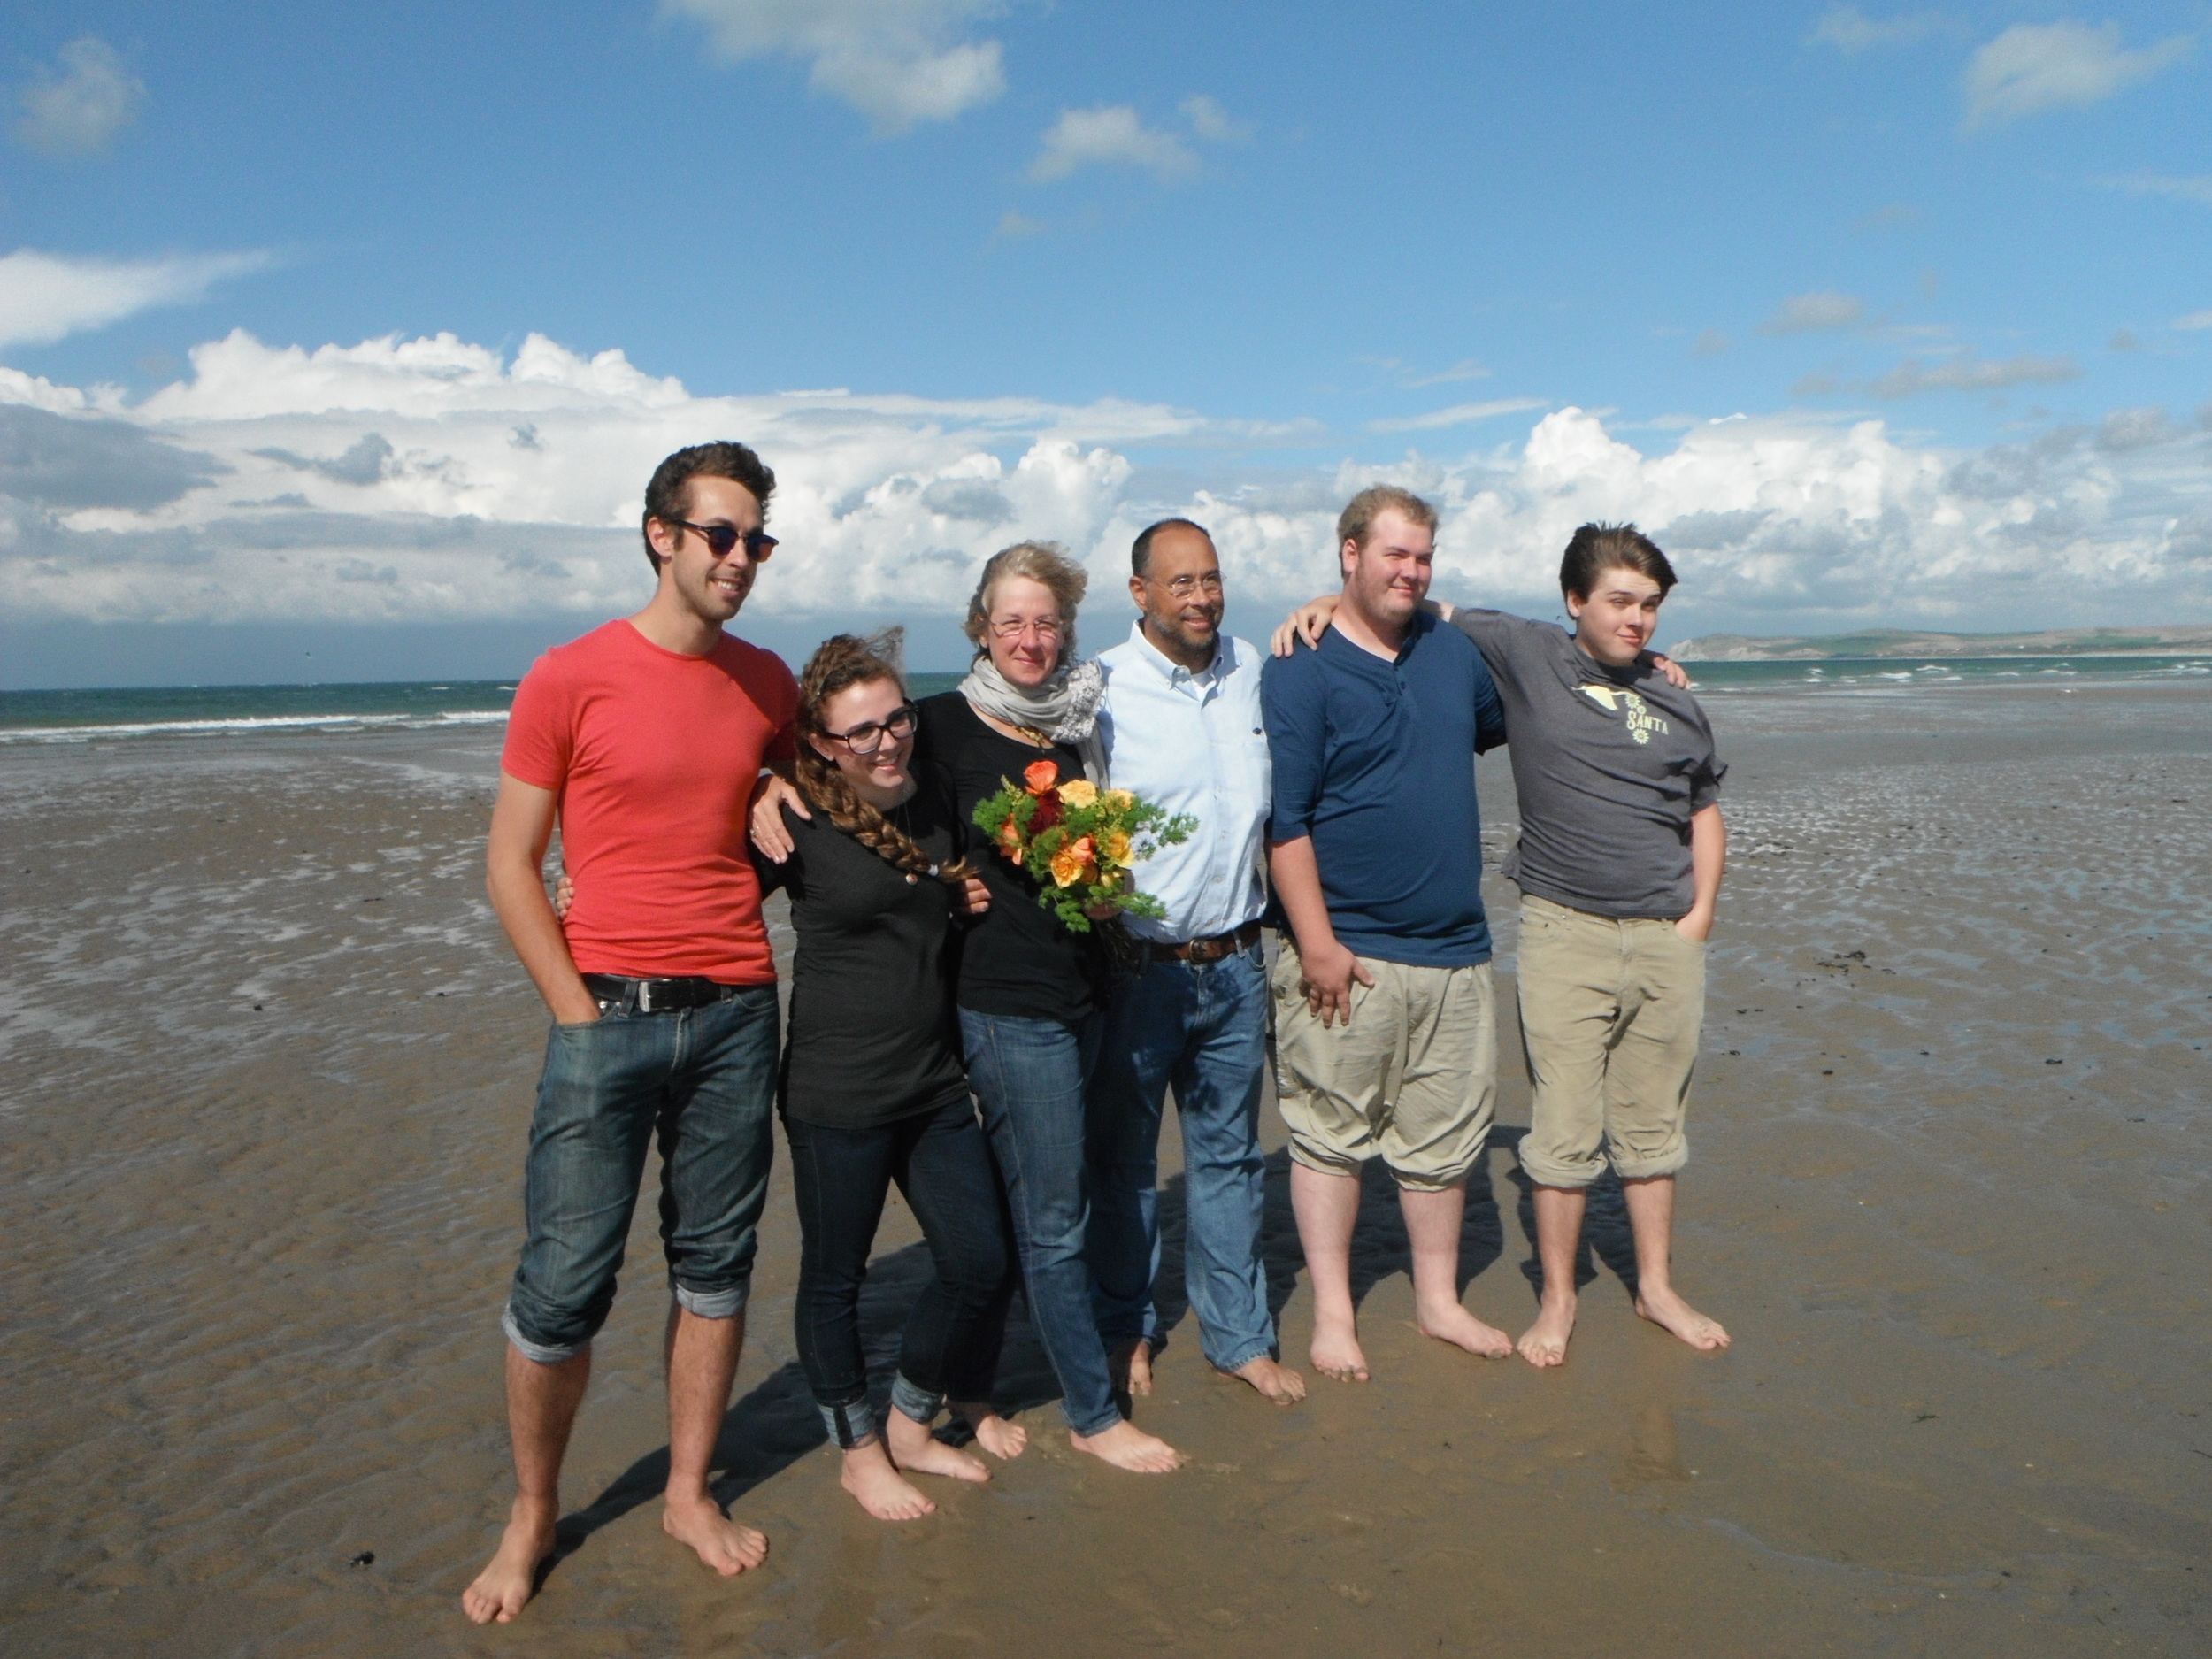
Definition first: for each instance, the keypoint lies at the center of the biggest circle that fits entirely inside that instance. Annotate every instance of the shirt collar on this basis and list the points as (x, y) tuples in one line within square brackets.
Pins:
[(1173, 671)]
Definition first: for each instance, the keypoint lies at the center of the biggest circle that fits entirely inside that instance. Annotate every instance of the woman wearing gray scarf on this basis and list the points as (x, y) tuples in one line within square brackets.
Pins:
[(1029, 989), (1062, 706)]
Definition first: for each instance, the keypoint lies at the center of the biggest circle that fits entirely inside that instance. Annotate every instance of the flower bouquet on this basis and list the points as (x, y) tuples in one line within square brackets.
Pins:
[(1079, 840)]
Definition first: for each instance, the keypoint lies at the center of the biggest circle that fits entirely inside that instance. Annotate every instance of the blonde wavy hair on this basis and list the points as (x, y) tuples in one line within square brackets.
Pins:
[(1044, 562)]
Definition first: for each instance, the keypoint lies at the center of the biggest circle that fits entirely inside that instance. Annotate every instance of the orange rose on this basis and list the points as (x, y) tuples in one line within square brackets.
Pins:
[(1117, 846), (1040, 775), (1073, 860), (1010, 837)]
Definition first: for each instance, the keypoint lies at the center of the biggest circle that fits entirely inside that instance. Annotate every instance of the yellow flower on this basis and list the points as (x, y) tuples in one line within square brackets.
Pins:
[(1078, 792), (1117, 846), (1071, 861), (1120, 800)]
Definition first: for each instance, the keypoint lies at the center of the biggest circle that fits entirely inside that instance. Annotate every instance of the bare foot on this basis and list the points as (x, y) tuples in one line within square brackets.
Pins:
[(510, 1578), (696, 1519), (993, 1433), (1131, 1365), (1125, 1445), (1275, 1381), (1455, 1325), (1335, 1352), (916, 1451), (1670, 1312), (882, 1490), (1545, 1343)]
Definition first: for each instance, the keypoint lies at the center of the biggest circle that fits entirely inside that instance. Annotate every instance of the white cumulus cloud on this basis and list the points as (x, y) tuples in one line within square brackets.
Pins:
[(45, 296), (79, 108), (2036, 66), (434, 480), (1812, 313), (1112, 135), (898, 62)]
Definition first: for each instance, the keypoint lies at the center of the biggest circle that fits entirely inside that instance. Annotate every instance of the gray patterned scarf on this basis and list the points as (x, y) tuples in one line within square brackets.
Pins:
[(1063, 708)]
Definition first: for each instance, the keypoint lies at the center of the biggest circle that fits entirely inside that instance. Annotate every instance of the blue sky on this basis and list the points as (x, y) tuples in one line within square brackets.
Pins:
[(1953, 265)]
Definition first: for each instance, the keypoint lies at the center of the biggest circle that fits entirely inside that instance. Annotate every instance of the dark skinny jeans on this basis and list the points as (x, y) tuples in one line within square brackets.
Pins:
[(841, 1178)]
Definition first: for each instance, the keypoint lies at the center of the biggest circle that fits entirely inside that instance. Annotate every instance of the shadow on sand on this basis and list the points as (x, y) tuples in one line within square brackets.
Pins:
[(773, 1425), (1606, 1234), (776, 1424)]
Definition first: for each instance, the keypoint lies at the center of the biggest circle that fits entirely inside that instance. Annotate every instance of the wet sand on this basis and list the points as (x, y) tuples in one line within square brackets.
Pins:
[(268, 1067)]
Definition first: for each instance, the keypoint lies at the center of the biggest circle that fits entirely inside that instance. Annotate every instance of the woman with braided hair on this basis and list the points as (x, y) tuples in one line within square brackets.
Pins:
[(874, 1089)]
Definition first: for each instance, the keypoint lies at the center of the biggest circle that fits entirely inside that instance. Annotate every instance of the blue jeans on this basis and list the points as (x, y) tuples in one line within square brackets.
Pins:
[(839, 1178), (703, 1080), (1028, 1075), (1202, 1030)]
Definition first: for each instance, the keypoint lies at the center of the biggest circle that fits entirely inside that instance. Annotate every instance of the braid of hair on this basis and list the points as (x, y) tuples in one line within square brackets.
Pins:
[(839, 663)]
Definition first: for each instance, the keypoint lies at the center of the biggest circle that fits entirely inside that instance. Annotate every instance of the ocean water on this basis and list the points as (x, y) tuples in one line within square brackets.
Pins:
[(201, 711)]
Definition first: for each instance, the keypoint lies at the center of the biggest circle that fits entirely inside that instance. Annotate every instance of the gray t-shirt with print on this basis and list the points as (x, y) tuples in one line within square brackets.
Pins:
[(1610, 764)]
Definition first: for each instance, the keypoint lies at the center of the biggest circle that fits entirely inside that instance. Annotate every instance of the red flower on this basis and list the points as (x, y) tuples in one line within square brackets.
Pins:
[(1046, 811), (1040, 775)]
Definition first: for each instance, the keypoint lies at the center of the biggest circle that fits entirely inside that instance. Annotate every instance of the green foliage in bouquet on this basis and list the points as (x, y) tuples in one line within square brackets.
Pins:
[(1079, 840)]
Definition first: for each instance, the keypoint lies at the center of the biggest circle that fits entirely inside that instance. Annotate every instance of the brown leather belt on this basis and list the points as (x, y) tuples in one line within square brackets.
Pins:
[(1209, 949)]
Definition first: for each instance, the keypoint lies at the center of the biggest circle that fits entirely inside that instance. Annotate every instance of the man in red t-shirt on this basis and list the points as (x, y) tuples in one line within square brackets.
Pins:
[(644, 739)]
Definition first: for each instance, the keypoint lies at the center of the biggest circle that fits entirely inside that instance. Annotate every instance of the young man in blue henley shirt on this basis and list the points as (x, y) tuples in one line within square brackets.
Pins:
[(1384, 1020)]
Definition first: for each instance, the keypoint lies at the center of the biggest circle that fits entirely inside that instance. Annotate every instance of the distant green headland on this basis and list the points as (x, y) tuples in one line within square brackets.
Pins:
[(2159, 640)]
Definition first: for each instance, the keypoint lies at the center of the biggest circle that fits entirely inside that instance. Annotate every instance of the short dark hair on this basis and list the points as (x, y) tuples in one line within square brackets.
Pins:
[(1596, 548), (1141, 549), (668, 497), (1360, 513)]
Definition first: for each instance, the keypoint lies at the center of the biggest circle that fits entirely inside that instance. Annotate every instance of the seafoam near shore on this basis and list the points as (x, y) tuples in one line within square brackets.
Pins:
[(268, 1066)]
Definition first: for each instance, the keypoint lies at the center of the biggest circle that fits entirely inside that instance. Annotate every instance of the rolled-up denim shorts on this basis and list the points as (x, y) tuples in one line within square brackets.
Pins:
[(700, 1080)]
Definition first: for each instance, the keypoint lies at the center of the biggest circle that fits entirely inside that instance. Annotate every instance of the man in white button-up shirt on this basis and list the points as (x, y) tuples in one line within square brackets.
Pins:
[(1182, 728)]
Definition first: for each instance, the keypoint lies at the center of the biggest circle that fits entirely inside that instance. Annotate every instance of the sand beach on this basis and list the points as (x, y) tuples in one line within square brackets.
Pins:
[(268, 1065)]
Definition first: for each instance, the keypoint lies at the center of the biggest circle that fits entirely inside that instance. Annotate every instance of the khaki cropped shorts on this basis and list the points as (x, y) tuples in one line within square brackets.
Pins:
[(1412, 1080), (1611, 1012)]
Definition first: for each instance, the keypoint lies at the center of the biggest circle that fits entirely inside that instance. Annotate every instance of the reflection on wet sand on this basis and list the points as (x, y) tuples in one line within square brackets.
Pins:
[(268, 1068)]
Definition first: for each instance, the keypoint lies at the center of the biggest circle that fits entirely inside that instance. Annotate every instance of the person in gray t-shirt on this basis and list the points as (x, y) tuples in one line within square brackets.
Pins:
[(1619, 865), (1612, 764)]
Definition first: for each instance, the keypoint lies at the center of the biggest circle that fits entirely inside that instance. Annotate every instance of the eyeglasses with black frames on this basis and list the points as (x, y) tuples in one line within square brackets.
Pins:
[(865, 739), (720, 538)]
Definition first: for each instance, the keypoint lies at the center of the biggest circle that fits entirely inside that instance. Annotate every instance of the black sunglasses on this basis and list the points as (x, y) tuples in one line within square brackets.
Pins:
[(720, 538)]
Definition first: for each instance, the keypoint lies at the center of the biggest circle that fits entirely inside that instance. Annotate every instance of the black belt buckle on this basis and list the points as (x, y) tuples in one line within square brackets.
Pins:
[(654, 996)]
